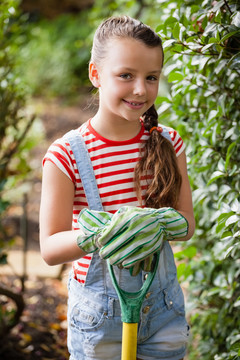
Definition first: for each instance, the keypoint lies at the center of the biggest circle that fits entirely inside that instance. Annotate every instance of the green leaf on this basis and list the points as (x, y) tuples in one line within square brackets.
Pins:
[(217, 5), (234, 60), (212, 40), (171, 20), (220, 226), (176, 30), (218, 17), (175, 76), (235, 168), (212, 115), (222, 223), (189, 252), (206, 47), (194, 9), (205, 22), (168, 43), (159, 28), (222, 64), (161, 99), (230, 151), (226, 234), (237, 303), (229, 35), (216, 175), (184, 20), (232, 220), (164, 106), (183, 271), (229, 251), (193, 39)]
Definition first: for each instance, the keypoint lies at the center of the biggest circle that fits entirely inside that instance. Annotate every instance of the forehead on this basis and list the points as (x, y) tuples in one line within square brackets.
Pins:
[(128, 52)]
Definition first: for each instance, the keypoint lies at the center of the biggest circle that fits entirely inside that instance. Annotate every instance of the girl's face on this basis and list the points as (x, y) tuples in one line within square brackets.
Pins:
[(127, 78)]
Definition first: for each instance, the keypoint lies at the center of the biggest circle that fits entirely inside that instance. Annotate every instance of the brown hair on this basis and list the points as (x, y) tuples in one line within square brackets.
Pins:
[(158, 155)]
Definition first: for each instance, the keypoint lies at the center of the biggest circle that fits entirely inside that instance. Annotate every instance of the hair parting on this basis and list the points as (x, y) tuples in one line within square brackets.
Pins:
[(121, 27)]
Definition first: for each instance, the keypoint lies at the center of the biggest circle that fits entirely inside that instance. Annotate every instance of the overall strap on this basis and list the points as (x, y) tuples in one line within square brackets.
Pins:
[(85, 169), (165, 133)]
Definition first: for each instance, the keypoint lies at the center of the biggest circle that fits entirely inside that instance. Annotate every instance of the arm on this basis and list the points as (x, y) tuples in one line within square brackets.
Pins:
[(58, 242), (185, 206)]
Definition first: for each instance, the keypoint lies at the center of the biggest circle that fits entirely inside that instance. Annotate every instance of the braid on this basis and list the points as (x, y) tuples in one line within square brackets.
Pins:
[(159, 158), (150, 118)]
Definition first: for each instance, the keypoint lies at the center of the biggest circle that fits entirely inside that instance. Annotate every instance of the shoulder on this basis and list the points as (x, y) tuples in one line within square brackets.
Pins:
[(61, 155), (176, 139), (61, 147)]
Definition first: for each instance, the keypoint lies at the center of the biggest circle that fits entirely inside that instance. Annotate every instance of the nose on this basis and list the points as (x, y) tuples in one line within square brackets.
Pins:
[(139, 87)]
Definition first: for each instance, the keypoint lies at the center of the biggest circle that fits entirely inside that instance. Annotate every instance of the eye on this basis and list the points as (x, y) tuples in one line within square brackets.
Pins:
[(152, 78), (126, 76)]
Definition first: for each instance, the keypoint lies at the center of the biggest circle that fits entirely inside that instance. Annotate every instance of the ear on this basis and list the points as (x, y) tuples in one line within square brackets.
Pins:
[(94, 75)]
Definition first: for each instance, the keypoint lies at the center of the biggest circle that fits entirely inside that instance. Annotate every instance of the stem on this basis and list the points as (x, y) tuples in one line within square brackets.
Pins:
[(228, 7), (13, 149)]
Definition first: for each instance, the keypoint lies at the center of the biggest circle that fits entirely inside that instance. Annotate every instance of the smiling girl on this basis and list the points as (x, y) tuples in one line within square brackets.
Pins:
[(138, 164)]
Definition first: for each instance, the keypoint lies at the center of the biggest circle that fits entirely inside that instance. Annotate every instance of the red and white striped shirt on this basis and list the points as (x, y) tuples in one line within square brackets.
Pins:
[(113, 164)]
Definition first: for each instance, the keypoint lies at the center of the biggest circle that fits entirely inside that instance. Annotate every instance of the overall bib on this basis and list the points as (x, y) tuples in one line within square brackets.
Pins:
[(94, 314)]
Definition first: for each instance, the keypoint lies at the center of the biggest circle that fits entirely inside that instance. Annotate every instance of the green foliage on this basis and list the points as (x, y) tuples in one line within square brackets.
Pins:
[(15, 141), (54, 60), (14, 123), (202, 49)]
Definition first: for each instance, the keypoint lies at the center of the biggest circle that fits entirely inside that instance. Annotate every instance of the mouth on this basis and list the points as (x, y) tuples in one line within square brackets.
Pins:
[(134, 104)]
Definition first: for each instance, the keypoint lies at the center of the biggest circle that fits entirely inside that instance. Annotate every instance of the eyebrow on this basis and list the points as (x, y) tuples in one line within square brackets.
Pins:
[(131, 70)]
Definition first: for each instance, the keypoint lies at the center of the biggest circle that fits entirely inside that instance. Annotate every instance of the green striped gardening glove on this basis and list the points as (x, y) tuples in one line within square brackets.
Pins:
[(133, 234), (92, 223)]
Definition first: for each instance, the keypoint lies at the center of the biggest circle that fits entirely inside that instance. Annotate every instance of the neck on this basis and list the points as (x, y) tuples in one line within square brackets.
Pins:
[(117, 130)]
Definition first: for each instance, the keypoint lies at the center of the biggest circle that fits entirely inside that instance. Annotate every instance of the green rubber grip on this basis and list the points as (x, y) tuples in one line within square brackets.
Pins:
[(131, 302)]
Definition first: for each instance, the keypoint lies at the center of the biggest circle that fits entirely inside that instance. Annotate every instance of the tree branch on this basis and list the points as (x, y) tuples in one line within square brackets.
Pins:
[(228, 7)]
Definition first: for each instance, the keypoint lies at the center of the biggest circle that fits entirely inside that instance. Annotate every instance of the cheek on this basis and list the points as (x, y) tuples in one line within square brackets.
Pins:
[(118, 90), (154, 91)]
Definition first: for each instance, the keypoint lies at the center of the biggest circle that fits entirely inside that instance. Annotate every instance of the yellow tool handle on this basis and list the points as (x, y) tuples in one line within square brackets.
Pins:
[(129, 341)]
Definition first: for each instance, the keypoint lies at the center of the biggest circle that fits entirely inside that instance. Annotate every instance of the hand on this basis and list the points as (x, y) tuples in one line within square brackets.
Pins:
[(144, 265), (92, 224), (133, 234)]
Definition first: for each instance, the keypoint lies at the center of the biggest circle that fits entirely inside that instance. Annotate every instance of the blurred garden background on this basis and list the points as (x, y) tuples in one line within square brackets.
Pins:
[(45, 91)]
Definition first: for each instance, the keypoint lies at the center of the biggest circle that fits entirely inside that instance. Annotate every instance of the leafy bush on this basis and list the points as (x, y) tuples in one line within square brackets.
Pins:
[(202, 44), (14, 144), (15, 123)]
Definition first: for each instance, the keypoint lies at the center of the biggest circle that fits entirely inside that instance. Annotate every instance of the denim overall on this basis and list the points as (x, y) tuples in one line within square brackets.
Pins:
[(94, 314)]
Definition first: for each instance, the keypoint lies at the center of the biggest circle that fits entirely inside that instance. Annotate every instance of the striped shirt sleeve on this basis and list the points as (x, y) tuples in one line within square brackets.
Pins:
[(60, 154), (177, 141)]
